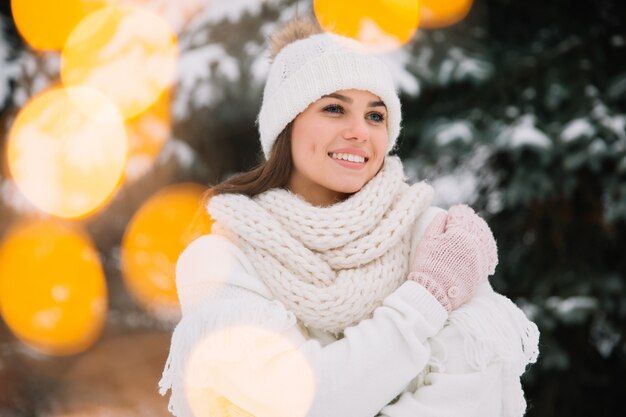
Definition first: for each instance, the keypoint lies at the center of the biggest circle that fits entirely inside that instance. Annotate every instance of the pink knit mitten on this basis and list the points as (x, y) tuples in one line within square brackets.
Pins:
[(455, 255)]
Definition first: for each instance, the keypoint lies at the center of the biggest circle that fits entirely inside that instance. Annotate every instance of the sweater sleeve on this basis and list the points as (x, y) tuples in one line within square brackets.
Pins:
[(238, 352), (452, 388), (476, 363)]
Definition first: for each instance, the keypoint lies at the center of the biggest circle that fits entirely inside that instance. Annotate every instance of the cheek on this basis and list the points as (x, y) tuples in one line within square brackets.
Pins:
[(303, 151), (309, 149), (381, 144)]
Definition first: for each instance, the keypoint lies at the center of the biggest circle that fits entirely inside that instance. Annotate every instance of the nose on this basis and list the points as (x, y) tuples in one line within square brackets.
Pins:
[(357, 129)]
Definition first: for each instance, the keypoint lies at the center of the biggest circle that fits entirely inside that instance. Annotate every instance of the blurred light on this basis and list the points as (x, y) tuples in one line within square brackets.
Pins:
[(436, 14), (53, 293), (131, 57), (66, 151), (147, 133), (46, 24), (155, 237), (248, 350), (381, 24), (177, 13)]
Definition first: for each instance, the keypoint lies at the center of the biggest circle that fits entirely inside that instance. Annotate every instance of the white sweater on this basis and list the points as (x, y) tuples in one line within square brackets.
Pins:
[(237, 352)]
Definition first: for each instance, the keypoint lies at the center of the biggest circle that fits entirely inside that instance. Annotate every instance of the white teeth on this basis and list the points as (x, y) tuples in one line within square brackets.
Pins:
[(348, 157)]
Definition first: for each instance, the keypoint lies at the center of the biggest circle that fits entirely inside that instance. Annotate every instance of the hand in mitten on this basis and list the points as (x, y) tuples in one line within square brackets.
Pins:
[(455, 255)]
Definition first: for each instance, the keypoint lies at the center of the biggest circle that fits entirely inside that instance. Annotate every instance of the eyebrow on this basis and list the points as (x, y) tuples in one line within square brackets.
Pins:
[(350, 101)]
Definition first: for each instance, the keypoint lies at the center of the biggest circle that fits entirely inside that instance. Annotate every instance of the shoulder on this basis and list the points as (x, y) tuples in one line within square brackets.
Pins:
[(212, 261), (215, 251)]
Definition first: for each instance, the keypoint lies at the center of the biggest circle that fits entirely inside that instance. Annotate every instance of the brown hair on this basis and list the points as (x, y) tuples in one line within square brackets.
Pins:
[(276, 170), (273, 173)]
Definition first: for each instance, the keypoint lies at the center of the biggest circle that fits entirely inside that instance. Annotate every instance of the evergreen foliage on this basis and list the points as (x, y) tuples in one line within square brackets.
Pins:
[(543, 140)]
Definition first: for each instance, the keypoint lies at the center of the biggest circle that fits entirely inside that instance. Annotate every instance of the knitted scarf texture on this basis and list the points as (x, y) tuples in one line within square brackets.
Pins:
[(331, 266)]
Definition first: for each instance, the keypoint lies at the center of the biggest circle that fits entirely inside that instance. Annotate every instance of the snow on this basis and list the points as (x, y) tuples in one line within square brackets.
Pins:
[(470, 68), (598, 146), (512, 111), (456, 188), (616, 124), (7, 72), (137, 166), (8, 69), (457, 66), (20, 95), (195, 89), (572, 309), (261, 64), (39, 70), (618, 41), (457, 131), (179, 150), (524, 133), (577, 129), (11, 195), (531, 310), (231, 10), (52, 63), (604, 336), (397, 63), (177, 13), (599, 110), (495, 202), (421, 61)]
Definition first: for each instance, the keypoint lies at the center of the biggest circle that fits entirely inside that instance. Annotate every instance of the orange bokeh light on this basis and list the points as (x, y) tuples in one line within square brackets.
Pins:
[(131, 57), (155, 237), (380, 24), (66, 151), (147, 133), (437, 14), (53, 293), (45, 24)]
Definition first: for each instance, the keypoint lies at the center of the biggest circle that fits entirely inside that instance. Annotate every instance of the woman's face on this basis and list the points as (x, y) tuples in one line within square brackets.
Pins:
[(348, 124)]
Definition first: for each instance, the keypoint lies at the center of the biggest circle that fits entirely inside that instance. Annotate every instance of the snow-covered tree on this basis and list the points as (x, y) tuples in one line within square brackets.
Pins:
[(519, 110)]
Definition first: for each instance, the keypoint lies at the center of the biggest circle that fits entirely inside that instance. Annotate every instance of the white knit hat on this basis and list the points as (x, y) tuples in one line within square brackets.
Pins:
[(307, 69)]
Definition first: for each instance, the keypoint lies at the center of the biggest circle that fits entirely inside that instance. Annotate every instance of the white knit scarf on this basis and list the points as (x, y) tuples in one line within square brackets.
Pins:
[(331, 266)]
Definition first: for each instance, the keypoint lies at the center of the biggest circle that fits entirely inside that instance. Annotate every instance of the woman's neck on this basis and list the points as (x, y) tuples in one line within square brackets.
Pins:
[(315, 195)]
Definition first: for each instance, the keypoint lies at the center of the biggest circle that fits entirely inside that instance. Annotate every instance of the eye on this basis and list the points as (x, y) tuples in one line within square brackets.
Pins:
[(333, 108), (376, 117)]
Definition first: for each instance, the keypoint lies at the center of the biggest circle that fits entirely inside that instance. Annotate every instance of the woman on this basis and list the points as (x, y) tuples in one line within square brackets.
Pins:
[(328, 286)]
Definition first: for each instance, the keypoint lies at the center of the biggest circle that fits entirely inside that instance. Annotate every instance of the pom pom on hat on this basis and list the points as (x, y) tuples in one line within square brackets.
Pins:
[(309, 64), (296, 29)]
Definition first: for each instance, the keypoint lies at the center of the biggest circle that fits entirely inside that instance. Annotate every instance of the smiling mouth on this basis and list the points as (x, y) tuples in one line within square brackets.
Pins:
[(355, 159)]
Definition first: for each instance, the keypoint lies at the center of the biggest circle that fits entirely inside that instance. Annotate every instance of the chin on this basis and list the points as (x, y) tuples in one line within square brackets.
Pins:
[(349, 188)]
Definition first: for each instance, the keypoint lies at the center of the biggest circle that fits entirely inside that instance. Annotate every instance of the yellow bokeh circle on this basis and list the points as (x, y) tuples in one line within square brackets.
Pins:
[(46, 24), (437, 14), (380, 24), (53, 293), (66, 151), (147, 133), (156, 235), (131, 57)]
